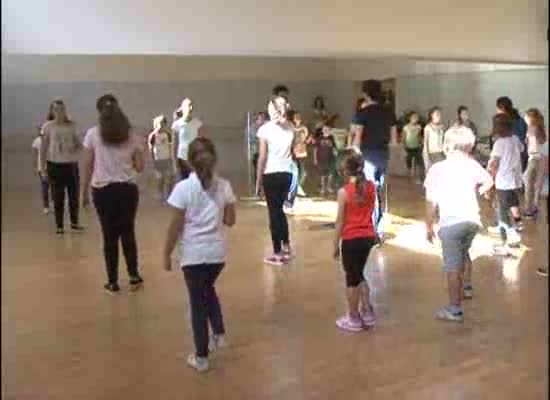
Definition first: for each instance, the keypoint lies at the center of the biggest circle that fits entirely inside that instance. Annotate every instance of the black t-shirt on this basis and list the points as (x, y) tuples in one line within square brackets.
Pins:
[(377, 122)]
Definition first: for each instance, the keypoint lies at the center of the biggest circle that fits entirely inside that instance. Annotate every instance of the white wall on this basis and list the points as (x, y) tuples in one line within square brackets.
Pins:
[(491, 30)]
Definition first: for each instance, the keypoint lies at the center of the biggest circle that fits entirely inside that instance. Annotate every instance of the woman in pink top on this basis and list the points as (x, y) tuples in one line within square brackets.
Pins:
[(113, 156), (355, 237)]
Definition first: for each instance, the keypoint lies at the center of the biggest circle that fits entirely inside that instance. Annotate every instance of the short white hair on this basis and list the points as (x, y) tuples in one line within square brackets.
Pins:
[(459, 138)]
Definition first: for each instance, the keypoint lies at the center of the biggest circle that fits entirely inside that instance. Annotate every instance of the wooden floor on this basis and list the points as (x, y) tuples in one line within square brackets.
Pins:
[(64, 338)]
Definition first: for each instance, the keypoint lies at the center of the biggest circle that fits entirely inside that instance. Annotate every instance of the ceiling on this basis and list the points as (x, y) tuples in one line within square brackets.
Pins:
[(468, 30)]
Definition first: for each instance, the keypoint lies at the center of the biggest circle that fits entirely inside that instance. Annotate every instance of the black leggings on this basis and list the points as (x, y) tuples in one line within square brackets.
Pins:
[(116, 206), (64, 177), (355, 253), (413, 155), (205, 306), (276, 187)]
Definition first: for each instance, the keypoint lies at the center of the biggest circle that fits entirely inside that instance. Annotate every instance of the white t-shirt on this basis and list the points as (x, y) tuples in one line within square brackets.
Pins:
[(452, 185), (279, 146), (112, 163), (203, 237), (508, 151), (160, 144), (36, 144), (186, 131)]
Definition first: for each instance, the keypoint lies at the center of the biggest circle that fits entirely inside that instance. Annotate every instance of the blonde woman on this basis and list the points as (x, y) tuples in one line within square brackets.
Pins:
[(160, 146)]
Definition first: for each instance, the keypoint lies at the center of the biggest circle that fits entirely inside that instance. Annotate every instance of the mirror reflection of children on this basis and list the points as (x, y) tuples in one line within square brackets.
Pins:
[(37, 166), (300, 151), (412, 133), (160, 146), (324, 158)]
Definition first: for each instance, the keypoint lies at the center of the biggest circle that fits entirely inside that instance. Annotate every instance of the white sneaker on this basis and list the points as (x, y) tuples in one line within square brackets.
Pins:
[(513, 238), (216, 342), (199, 363), (45, 211)]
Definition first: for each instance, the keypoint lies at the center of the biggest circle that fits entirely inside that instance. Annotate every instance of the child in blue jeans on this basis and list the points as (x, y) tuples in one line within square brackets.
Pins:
[(203, 204)]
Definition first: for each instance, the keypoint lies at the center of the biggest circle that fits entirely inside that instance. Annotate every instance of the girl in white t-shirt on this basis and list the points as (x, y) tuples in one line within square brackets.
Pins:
[(160, 146), (203, 204), (536, 137), (276, 138), (505, 167), (185, 129)]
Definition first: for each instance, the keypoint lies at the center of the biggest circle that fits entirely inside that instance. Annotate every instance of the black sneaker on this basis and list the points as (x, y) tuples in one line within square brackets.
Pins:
[(136, 282), (111, 288), (77, 228)]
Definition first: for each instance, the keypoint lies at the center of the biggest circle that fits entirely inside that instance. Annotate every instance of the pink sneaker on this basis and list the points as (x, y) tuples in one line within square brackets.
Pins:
[(349, 324), (368, 317), (275, 260), (287, 255)]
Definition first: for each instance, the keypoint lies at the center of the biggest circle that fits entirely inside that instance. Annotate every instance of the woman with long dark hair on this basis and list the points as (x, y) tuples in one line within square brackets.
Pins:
[(113, 157), (59, 150)]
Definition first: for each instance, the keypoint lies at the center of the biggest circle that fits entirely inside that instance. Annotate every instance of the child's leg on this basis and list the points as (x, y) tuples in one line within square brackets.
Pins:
[(323, 184), (329, 184), (212, 302), (354, 257), (409, 162), (530, 178), (45, 188), (196, 280)]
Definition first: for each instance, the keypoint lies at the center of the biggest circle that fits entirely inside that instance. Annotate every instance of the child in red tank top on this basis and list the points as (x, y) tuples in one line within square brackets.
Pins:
[(355, 237)]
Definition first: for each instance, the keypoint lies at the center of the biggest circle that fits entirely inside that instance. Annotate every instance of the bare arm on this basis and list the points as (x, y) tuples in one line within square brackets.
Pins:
[(229, 215), (431, 217), (426, 140), (175, 228), (358, 136), (138, 160), (88, 158), (262, 160), (45, 144), (342, 200), (394, 134)]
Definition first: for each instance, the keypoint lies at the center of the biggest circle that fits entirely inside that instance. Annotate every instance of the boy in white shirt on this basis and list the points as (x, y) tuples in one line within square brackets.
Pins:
[(505, 167), (451, 191), (203, 204)]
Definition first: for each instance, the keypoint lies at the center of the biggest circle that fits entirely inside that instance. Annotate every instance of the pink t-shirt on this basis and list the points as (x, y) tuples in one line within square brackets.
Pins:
[(112, 163)]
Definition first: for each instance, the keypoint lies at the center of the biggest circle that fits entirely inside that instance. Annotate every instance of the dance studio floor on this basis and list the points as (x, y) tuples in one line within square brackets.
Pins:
[(63, 337)]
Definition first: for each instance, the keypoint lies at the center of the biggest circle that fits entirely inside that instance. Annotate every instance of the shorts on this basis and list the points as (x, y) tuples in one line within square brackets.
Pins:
[(456, 241), (163, 167), (413, 155), (508, 198), (355, 253)]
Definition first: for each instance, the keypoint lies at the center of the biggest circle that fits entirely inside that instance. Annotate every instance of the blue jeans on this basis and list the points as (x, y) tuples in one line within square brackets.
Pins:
[(376, 164)]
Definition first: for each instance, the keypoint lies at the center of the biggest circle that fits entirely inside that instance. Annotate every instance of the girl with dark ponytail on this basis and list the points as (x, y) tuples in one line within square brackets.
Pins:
[(203, 204), (354, 239)]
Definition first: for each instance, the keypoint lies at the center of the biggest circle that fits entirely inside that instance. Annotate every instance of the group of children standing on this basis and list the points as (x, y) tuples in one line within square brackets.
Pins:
[(204, 203)]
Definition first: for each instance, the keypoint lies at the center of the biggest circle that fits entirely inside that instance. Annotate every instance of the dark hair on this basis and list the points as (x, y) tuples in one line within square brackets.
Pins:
[(202, 157), (352, 166), (319, 103), (505, 104), (373, 89), (432, 111), (51, 116), (359, 103), (503, 125), (290, 116), (459, 111), (278, 89), (410, 114), (114, 126)]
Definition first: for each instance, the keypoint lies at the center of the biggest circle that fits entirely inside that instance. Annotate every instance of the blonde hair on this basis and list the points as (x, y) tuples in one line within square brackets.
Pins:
[(537, 122), (157, 122), (459, 138)]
